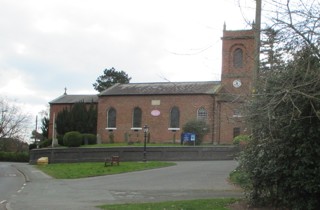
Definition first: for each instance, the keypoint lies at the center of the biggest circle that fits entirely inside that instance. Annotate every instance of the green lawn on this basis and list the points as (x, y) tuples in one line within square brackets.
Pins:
[(82, 170), (201, 204)]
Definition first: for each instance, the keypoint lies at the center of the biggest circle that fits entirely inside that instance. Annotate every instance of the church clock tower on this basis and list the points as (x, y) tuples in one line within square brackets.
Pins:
[(238, 49), (237, 61)]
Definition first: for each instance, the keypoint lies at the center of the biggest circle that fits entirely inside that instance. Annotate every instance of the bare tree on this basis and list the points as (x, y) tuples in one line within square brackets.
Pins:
[(297, 23), (13, 122)]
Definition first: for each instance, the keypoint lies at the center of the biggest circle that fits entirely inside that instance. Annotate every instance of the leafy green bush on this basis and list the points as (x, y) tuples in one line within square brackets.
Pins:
[(14, 156), (241, 139), (88, 138), (45, 143), (282, 157), (60, 140), (198, 127), (32, 146), (240, 178), (72, 139)]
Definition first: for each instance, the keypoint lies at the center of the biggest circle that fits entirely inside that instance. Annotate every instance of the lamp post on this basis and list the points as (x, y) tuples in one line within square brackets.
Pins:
[(145, 131)]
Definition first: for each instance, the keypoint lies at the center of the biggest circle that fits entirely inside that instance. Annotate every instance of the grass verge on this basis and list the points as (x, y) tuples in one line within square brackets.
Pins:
[(82, 170), (200, 204)]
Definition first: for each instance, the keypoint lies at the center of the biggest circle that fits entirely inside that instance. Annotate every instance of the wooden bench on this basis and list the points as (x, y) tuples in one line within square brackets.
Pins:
[(112, 160)]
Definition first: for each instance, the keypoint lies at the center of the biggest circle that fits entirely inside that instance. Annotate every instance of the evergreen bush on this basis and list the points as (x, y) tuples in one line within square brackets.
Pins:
[(60, 140), (72, 139), (241, 139), (45, 143), (32, 146), (282, 159), (88, 138), (14, 156)]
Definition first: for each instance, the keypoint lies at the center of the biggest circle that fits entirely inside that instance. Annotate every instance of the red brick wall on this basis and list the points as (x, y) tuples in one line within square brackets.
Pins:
[(158, 125), (229, 121)]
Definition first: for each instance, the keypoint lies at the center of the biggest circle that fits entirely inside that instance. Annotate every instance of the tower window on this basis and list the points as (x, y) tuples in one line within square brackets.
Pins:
[(238, 58)]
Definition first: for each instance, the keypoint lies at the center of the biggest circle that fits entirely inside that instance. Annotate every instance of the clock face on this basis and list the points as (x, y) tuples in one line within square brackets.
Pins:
[(236, 83)]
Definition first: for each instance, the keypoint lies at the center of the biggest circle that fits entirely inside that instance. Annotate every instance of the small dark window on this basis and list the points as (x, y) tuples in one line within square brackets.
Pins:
[(111, 116), (238, 58), (174, 117), (137, 117), (236, 132)]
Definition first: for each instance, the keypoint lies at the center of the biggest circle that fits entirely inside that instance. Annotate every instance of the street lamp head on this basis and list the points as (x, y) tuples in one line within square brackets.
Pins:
[(145, 129)]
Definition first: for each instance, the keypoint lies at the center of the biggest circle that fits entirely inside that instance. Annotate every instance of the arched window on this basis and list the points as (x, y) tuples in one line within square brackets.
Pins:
[(202, 114), (238, 58), (174, 117), (137, 118), (111, 118)]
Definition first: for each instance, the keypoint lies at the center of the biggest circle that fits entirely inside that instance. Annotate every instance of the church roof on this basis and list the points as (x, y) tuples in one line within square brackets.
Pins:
[(163, 88), (71, 99)]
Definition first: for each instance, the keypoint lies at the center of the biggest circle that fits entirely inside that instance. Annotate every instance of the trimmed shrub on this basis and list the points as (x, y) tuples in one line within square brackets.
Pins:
[(88, 138), (60, 140), (72, 139), (32, 146), (14, 156)]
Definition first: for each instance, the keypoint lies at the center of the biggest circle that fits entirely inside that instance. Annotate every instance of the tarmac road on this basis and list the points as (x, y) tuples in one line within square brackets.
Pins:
[(11, 181), (186, 180)]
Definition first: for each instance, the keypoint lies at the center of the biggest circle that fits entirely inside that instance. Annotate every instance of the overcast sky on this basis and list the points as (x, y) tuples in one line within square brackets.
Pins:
[(47, 45)]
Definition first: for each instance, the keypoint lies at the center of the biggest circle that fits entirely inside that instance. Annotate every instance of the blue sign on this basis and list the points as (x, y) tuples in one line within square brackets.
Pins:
[(188, 137)]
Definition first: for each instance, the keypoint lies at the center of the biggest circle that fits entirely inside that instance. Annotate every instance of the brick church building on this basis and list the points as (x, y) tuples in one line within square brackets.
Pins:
[(165, 107)]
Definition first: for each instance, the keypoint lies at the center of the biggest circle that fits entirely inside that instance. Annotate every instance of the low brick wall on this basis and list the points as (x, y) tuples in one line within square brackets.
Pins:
[(69, 155)]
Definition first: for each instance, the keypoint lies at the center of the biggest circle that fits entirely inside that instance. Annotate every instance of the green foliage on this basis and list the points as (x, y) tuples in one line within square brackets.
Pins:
[(198, 127), (88, 138), (45, 143), (282, 159), (109, 78), (240, 178), (32, 146), (80, 117), (241, 139), (63, 122), (45, 127), (14, 156), (72, 139), (60, 140)]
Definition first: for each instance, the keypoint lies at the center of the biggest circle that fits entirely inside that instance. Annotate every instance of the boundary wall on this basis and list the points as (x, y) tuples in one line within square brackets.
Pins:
[(73, 155)]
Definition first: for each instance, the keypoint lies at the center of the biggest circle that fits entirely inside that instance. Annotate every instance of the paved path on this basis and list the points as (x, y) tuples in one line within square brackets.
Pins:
[(186, 180)]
